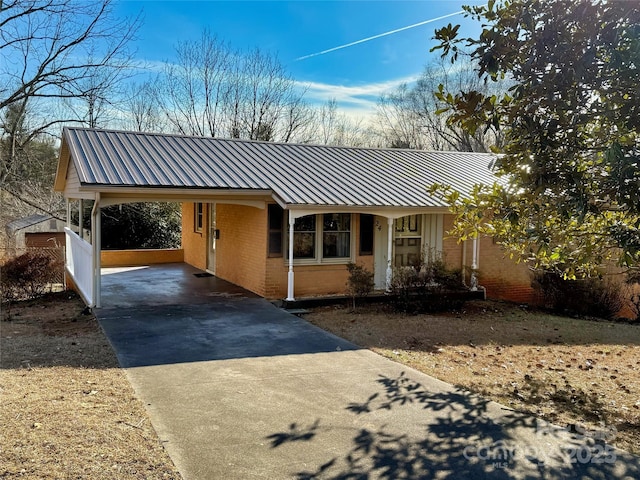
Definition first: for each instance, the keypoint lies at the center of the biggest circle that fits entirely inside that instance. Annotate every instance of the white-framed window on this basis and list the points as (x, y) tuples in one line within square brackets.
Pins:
[(323, 238), (336, 235)]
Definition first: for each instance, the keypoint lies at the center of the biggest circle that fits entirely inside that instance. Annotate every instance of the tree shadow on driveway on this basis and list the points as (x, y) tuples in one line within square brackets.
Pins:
[(459, 435)]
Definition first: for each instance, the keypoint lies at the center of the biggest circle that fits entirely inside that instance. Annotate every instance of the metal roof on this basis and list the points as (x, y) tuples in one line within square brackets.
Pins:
[(25, 222), (299, 174)]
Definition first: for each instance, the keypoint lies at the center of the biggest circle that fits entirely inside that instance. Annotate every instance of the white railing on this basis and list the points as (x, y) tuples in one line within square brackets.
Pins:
[(79, 264)]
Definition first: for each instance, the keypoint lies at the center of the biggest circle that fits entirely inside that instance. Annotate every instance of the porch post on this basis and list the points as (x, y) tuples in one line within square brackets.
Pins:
[(80, 218), (68, 213), (473, 282), (463, 269), (290, 297), (96, 240), (389, 252)]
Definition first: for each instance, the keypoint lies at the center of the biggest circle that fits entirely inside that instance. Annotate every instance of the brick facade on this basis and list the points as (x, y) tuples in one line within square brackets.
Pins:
[(242, 258), (241, 250), (503, 278), (194, 244), (317, 279)]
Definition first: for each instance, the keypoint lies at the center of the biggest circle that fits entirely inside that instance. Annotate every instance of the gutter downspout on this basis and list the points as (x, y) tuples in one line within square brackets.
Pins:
[(96, 240)]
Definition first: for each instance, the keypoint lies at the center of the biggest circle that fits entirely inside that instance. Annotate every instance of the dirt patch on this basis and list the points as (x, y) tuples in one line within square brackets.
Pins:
[(68, 410), (580, 373)]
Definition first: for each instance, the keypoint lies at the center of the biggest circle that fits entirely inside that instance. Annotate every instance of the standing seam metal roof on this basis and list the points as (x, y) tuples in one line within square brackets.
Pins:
[(299, 174)]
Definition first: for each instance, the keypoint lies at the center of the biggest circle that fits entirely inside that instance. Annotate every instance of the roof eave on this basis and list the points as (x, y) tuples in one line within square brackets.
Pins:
[(64, 158)]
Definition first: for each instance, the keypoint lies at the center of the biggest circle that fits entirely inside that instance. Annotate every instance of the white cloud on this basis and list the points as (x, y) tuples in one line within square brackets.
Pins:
[(354, 99)]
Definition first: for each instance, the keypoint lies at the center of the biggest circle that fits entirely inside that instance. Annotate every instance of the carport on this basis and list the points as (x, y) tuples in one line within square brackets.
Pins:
[(326, 206)]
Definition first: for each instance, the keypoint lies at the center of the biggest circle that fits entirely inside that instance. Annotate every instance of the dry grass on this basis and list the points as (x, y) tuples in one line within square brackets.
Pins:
[(569, 371), (68, 411)]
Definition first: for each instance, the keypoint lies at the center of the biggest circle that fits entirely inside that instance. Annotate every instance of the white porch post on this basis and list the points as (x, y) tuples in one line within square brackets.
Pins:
[(95, 243), (290, 297), (474, 265), (463, 268), (68, 213), (389, 252), (80, 218)]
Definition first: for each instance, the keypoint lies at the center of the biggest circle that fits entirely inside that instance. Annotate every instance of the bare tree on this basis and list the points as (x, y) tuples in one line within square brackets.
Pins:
[(52, 48), (336, 128), (408, 117), (297, 124), (195, 88), (53, 51), (99, 97), (212, 90), (141, 107), (28, 166), (397, 121), (269, 89)]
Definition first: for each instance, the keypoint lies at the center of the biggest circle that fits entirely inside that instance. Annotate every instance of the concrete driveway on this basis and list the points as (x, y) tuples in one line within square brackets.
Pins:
[(238, 389)]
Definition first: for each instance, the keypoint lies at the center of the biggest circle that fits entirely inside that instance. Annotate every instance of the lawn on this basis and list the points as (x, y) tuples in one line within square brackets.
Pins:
[(574, 372), (68, 410)]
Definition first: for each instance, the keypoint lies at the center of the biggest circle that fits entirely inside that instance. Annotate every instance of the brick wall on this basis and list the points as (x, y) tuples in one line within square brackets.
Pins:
[(241, 250), (314, 279), (194, 243), (241, 258), (503, 278), (127, 258)]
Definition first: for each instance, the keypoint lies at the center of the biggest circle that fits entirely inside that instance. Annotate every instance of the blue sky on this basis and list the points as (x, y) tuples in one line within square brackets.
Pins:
[(355, 76)]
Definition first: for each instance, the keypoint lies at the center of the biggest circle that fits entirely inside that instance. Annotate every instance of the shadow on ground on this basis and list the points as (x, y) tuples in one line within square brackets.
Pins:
[(465, 436)]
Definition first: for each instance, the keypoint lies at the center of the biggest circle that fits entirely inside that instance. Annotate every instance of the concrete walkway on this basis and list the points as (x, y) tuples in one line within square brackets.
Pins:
[(238, 389)]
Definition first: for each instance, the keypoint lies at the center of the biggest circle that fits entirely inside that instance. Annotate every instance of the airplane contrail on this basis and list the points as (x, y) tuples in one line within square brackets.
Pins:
[(391, 32)]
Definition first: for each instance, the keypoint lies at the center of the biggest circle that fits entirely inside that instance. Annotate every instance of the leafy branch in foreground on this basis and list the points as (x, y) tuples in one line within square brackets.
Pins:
[(568, 197)]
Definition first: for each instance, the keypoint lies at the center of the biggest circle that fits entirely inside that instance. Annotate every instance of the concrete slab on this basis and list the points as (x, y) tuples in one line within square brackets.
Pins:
[(238, 389), (165, 284)]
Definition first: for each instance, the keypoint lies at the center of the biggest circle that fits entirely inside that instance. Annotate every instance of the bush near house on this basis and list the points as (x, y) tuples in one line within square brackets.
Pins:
[(28, 276), (430, 286), (360, 282), (585, 297)]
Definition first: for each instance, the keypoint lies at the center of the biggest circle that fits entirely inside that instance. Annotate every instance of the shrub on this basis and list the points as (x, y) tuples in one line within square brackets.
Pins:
[(428, 287), (360, 282), (583, 297), (631, 291), (436, 272), (28, 276)]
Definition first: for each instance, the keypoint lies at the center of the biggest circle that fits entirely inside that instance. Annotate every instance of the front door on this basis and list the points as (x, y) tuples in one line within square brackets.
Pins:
[(407, 241), (211, 241)]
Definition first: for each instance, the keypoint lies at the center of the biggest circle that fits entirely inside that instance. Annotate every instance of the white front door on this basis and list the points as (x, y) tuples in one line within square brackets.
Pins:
[(380, 246), (211, 241)]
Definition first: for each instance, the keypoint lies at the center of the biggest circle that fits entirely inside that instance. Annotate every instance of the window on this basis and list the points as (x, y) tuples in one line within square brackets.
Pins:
[(336, 235), (409, 225), (322, 237), (304, 237), (276, 218), (199, 217), (366, 234)]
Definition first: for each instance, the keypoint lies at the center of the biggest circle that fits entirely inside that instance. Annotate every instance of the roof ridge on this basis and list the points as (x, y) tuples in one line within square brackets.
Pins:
[(265, 142)]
